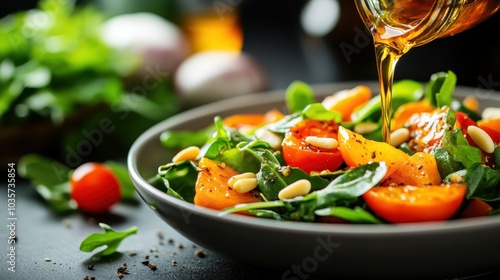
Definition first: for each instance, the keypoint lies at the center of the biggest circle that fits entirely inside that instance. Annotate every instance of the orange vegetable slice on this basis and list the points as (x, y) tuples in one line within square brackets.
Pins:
[(410, 204), (357, 150), (212, 189), (346, 101), (405, 111), (419, 170)]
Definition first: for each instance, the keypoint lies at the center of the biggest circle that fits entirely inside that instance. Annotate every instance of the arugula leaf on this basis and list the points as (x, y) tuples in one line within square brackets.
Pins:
[(110, 238), (355, 215), (298, 95), (51, 180)]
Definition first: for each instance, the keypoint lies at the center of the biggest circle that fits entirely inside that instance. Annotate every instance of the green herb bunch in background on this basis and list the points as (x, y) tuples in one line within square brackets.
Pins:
[(64, 91)]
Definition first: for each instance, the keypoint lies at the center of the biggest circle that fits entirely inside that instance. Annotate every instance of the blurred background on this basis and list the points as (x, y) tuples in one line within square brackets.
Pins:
[(291, 47), (166, 66)]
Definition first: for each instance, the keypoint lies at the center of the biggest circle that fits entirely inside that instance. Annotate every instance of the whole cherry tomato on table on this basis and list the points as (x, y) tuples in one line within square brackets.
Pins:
[(94, 188), (301, 154)]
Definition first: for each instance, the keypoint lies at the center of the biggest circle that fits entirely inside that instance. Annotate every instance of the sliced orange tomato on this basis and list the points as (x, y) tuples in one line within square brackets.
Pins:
[(299, 153), (405, 111), (253, 120), (410, 204), (346, 101), (419, 170), (476, 208), (470, 102), (212, 189), (357, 150)]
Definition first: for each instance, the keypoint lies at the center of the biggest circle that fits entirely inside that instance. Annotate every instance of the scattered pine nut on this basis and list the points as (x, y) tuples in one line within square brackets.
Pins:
[(400, 136), (298, 188), (245, 185), (237, 177), (490, 113), (270, 137), (322, 142), (481, 138), (365, 127), (189, 153)]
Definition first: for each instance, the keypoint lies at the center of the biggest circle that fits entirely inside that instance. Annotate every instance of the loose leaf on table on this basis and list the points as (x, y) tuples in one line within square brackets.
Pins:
[(110, 238), (51, 180)]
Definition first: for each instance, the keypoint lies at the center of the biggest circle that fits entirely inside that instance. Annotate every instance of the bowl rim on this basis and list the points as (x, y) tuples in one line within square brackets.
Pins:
[(446, 227)]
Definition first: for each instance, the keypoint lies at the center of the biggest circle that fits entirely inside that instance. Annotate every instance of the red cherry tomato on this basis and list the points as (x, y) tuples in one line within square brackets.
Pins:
[(463, 122), (94, 187), (409, 204), (298, 153)]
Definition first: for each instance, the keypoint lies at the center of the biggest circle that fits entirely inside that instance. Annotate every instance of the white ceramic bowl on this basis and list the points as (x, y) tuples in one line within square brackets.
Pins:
[(298, 249)]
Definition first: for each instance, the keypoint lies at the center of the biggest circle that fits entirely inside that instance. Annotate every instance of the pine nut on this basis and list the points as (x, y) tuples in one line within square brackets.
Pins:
[(189, 153), (399, 136), (322, 142), (298, 188), (481, 138), (245, 185), (247, 175), (490, 113), (366, 127), (272, 138)]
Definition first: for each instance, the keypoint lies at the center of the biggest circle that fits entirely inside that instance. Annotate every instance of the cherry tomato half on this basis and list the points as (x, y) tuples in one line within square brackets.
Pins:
[(94, 187), (298, 153), (409, 204)]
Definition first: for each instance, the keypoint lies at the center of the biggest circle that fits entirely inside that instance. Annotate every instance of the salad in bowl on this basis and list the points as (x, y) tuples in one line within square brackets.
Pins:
[(324, 161)]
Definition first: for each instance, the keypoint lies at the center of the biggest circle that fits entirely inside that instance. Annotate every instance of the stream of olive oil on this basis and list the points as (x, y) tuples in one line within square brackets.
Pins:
[(399, 25)]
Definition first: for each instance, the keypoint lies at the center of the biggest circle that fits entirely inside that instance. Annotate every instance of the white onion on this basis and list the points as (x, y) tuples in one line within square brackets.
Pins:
[(213, 75), (160, 43)]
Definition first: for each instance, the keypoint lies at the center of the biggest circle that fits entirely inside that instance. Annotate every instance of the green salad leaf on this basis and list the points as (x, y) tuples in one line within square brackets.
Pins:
[(298, 95), (110, 238)]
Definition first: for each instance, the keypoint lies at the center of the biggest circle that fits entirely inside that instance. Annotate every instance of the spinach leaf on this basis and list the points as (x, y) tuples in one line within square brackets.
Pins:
[(110, 238), (273, 177), (483, 183), (298, 95), (180, 179), (440, 88), (457, 146), (318, 112), (184, 139), (445, 162), (355, 215)]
